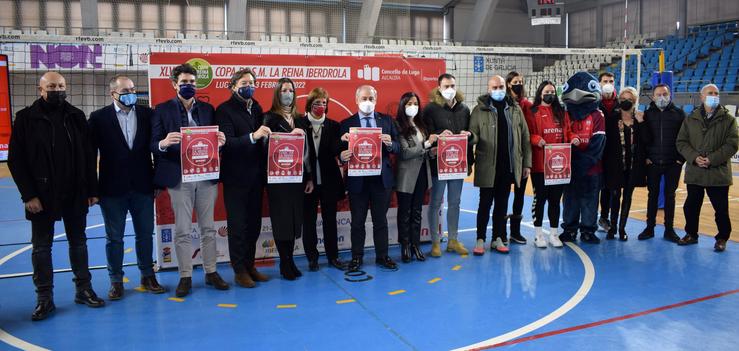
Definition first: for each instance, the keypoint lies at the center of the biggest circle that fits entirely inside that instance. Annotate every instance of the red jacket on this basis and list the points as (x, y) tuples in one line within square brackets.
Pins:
[(586, 157), (543, 126)]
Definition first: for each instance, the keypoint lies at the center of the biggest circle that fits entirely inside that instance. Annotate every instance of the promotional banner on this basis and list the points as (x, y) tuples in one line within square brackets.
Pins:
[(339, 75), (199, 153), (366, 147), (557, 166), (4, 108), (285, 158), (452, 157)]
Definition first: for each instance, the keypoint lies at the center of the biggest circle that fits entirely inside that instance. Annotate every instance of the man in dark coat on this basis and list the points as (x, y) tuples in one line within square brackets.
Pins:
[(53, 165)]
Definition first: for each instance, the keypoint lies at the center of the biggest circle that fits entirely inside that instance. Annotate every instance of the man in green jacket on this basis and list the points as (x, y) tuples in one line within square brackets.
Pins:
[(708, 139), (502, 158)]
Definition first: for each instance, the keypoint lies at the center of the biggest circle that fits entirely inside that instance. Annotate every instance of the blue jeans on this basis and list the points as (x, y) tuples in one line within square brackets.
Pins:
[(452, 214), (114, 209), (581, 204)]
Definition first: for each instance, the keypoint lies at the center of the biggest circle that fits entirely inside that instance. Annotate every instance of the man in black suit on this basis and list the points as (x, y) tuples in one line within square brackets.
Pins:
[(53, 165), (243, 172), (121, 133), (168, 118), (370, 192)]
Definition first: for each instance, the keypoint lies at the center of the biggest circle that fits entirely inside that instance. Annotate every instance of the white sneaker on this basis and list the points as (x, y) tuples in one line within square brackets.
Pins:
[(554, 238), (540, 240)]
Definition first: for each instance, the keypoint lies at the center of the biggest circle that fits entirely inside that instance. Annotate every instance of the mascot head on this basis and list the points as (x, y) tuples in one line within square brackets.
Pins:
[(581, 94)]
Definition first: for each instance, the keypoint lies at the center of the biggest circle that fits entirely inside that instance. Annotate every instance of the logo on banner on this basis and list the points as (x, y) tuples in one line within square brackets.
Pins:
[(166, 235), (268, 246), (205, 72), (369, 73), (478, 63), (557, 163), (66, 56), (167, 254), (223, 231)]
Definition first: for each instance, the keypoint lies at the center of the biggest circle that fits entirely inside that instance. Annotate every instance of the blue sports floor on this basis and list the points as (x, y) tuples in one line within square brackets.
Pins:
[(635, 295)]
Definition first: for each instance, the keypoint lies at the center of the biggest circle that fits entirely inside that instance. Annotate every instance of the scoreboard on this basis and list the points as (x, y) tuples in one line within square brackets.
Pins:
[(546, 11)]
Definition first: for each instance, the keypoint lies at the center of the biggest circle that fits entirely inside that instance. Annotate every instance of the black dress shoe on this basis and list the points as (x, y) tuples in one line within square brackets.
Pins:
[(313, 266), (589, 238), (720, 245), (216, 281), (337, 263), (287, 271), (405, 253), (43, 310), (415, 251), (89, 298), (355, 264), (611, 235), (622, 235), (152, 285), (670, 235), (295, 269), (116, 291), (386, 262), (688, 239), (646, 234), (567, 237), (183, 287)]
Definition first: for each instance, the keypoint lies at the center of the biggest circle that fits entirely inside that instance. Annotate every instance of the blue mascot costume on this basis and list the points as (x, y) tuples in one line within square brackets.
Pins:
[(581, 94)]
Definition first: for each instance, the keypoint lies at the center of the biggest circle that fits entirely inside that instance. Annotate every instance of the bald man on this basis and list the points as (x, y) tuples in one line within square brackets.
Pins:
[(53, 165)]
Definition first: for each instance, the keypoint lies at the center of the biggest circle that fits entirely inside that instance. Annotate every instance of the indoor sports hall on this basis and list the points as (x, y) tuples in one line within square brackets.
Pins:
[(627, 291)]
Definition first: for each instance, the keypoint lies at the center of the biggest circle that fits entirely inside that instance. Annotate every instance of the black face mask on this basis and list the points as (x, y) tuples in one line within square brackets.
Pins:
[(56, 97), (549, 98), (626, 105), (518, 89)]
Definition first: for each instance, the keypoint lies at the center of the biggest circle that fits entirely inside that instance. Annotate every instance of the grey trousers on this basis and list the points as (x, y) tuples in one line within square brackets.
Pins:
[(202, 196)]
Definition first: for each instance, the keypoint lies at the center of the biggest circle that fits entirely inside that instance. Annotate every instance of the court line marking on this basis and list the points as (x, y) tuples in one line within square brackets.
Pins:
[(396, 292), (341, 302), (610, 320), (287, 306), (176, 299), (457, 267), (227, 305), (432, 281)]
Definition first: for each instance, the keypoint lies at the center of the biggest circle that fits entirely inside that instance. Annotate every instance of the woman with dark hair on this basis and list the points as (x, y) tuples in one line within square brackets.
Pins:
[(286, 200), (323, 148), (515, 89), (414, 174), (548, 123)]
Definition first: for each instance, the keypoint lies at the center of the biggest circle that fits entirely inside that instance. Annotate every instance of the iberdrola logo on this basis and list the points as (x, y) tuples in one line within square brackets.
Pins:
[(205, 72)]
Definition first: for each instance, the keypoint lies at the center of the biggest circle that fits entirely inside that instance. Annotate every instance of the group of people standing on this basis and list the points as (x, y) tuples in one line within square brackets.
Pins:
[(54, 155)]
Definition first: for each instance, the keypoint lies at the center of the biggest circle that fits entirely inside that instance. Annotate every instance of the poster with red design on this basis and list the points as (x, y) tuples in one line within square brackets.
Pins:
[(199, 153), (339, 75), (285, 158), (452, 157), (366, 147), (5, 112), (557, 164)]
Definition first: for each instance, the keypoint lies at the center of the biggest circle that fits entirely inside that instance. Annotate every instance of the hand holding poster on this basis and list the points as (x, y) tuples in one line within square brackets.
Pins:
[(285, 158), (557, 166), (199, 153), (366, 147), (452, 157)]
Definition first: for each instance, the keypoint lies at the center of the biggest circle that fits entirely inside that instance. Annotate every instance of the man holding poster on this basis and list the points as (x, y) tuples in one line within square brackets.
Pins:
[(171, 173), (371, 191)]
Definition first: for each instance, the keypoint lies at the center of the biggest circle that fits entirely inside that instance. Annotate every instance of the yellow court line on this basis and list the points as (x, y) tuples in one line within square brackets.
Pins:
[(341, 302), (125, 280), (434, 280), (227, 305), (396, 292), (456, 268), (287, 306), (176, 299), (139, 289), (128, 250), (465, 256)]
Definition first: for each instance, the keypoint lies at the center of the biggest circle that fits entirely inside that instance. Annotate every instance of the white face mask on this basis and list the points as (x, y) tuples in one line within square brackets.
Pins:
[(608, 89), (449, 93), (367, 107), (411, 111)]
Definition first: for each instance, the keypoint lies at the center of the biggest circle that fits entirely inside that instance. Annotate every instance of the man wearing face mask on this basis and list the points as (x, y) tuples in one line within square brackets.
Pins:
[(370, 192), (121, 133), (446, 114), (502, 157), (609, 106), (708, 139), (662, 121), (243, 170), (53, 164), (183, 111)]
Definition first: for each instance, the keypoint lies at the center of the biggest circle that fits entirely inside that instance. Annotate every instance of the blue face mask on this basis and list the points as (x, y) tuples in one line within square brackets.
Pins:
[(246, 92), (497, 95), (128, 99), (712, 101), (187, 91)]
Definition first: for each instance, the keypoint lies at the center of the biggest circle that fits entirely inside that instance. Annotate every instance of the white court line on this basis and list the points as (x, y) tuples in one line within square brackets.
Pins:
[(585, 286), (5, 336)]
